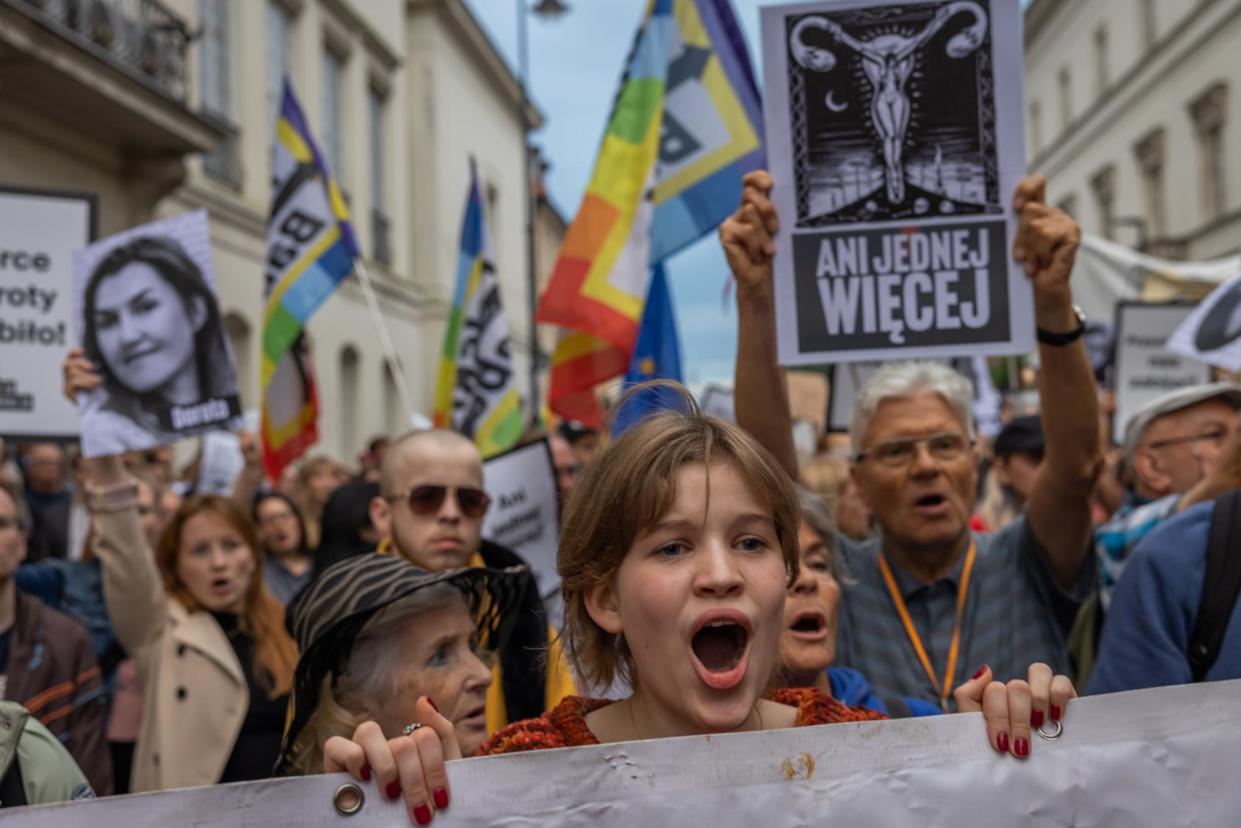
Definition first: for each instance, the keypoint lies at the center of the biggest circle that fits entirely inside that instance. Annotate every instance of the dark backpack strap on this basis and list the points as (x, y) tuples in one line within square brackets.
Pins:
[(12, 788), (1221, 585)]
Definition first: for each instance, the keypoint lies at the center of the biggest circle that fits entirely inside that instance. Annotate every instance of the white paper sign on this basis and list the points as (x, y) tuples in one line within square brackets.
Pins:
[(1164, 757), (220, 464), (148, 316), (525, 514), (895, 139), (719, 401), (1212, 333), (842, 386), (39, 231), (1145, 367)]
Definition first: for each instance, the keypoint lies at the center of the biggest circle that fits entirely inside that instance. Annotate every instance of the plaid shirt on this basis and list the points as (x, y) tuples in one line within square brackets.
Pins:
[(1115, 540), (1015, 614)]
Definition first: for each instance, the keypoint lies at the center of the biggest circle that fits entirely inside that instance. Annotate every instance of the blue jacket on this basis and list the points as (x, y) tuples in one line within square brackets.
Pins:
[(851, 687), (1146, 634)]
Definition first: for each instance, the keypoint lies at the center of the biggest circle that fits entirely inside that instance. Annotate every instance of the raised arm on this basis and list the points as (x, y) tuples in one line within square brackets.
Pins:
[(131, 583), (760, 393), (1059, 508), (251, 478)]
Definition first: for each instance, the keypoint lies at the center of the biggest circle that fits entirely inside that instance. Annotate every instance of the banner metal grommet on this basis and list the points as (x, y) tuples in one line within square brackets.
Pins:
[(1055, 734), (348, 799)]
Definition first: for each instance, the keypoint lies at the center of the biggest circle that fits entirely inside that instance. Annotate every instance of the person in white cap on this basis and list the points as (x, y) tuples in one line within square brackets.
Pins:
[(1172, 451)]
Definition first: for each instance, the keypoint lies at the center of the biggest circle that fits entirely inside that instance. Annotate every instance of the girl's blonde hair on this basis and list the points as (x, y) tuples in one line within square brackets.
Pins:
[(627, 488)]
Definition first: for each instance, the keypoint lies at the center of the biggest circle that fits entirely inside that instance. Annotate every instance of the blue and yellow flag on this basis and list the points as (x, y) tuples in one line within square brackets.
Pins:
[(475, 394), (656, 355), (310, 251)]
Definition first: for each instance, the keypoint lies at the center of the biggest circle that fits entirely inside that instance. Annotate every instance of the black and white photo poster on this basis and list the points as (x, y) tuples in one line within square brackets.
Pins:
[(894, 136), (39, 232), (149, 320)]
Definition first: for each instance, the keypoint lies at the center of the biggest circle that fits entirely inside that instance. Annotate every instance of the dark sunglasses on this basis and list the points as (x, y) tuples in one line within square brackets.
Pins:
[(427, 500)]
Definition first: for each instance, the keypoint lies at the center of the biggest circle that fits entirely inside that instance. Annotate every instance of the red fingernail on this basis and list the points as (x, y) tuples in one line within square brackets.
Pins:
[(979, 672), (1055, 712), (1036, 718), (1022, 748), (431, 702), (422, 814), (441, 798), (393, 790), (1001, 742), (366, 773)]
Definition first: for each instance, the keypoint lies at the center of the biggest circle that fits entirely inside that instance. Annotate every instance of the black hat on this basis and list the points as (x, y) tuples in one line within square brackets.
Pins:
[(328, 614), (1022, 434)]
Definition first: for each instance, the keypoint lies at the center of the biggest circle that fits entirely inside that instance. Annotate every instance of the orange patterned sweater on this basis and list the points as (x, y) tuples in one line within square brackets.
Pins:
[(565, 724)]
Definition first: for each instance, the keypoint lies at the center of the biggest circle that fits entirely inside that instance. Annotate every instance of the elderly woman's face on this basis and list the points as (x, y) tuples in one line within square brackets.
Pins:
[(808, 643), (442, 662), (144, 330)]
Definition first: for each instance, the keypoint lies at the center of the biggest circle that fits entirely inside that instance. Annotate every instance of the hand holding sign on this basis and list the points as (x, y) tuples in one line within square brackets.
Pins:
[(412, 763), (1046, 244), (1011, 710), (746, 234)]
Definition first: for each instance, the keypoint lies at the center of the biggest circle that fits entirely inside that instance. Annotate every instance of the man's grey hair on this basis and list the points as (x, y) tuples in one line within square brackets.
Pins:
[(904, 379)]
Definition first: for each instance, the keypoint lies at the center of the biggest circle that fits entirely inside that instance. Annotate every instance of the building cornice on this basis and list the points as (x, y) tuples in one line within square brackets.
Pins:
[(374, 44), (1038, 16), (467, 27), (1180, 44)]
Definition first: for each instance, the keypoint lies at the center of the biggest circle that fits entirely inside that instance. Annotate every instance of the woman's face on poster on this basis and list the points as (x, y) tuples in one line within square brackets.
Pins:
[(145, 331)]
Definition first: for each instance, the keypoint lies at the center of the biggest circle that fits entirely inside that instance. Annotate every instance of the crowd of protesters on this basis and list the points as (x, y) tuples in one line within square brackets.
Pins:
[(336, 619)]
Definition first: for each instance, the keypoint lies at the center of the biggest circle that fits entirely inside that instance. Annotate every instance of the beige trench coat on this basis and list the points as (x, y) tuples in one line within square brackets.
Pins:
[(195, 695)]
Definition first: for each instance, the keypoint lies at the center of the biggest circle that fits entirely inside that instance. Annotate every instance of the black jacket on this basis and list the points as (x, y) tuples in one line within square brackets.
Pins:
[(523, 654)]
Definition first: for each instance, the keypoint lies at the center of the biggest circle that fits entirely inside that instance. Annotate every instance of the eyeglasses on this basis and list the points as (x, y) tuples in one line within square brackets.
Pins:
[(896, 453), (1215, 435), (427, 500)]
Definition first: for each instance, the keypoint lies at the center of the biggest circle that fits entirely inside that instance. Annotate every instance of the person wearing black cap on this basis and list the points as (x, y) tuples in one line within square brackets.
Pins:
[(377, 637), (1018, 453)]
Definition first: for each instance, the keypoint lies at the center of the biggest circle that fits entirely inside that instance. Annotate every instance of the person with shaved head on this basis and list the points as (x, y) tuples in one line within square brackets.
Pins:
[(430, 511)]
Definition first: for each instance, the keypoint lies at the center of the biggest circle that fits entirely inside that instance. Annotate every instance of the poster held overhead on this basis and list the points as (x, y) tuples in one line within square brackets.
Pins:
[(895, 140), (39, 232), (1145, 367), (148, 318)]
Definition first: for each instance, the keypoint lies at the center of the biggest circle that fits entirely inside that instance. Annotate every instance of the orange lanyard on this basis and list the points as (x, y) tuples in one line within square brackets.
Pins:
[(912, 632)]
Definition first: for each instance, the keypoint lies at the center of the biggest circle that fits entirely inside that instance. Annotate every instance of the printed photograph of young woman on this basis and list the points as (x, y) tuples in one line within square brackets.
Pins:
[(150, 323)]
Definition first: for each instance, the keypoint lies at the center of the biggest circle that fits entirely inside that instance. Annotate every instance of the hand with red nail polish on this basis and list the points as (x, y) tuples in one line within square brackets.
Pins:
[(412, 764)]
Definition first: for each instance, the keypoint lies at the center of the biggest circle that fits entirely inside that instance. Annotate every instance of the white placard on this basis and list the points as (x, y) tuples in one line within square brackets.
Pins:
[(1164, 757), (895, 139), (719, 401), (39, 231), (148, 316), (1212, 333), (220, 464), (525, 513), (1145, 367), (842, 386)]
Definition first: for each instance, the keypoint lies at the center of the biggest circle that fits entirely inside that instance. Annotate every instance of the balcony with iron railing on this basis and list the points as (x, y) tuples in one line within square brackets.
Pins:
[(114, 69)]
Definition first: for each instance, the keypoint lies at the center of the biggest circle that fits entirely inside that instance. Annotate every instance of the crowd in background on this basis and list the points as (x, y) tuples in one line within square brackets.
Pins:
[(170, 638)]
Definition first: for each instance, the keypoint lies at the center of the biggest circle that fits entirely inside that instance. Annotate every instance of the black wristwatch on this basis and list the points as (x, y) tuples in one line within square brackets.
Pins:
[(1057, 339)]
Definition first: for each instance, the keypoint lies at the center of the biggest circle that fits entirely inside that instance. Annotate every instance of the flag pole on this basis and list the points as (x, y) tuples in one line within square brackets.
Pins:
[(385, 341)]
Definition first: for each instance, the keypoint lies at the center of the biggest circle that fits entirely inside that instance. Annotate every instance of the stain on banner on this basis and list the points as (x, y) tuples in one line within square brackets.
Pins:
[(894, 136)]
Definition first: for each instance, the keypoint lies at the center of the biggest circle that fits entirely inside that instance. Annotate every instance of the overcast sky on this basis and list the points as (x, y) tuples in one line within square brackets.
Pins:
[(575, 69)]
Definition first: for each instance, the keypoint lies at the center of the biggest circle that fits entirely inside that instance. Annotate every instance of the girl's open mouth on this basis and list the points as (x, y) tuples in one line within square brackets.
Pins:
[(720, 645)]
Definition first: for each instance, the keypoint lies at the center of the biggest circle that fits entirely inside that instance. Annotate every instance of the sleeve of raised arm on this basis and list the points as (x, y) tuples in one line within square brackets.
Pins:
[(137, 603)]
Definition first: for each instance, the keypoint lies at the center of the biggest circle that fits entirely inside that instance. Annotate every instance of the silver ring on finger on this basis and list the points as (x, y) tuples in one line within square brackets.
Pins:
[(409, 729)]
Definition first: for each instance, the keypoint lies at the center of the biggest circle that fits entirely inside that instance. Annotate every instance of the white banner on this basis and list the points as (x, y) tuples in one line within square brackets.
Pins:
[(525, 513), (220, 464), (39, 231), (895, 139), (1145, 367), (1164, 757), (1212, 333)]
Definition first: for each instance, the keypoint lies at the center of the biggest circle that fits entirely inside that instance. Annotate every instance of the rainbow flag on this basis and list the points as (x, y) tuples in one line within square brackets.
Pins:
[(684, 130), (475, 394), (310, 251)]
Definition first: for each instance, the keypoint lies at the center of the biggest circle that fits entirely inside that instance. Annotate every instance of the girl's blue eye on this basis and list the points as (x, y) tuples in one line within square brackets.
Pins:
[(671, 550), (753, 544)]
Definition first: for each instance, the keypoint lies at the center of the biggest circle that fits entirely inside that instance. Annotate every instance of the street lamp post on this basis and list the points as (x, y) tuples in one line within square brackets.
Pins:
[(547, 9)]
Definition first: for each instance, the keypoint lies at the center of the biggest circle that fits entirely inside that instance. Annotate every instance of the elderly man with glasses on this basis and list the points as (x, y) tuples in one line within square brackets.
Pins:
[(932, 603), (430, 511)]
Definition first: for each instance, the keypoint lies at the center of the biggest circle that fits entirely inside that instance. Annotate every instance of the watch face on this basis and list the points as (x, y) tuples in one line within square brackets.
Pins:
[(1222, 324)]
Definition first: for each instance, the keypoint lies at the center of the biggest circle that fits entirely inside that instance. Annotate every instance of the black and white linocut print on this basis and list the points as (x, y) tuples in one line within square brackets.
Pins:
[(892, 112), (149, 319)]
